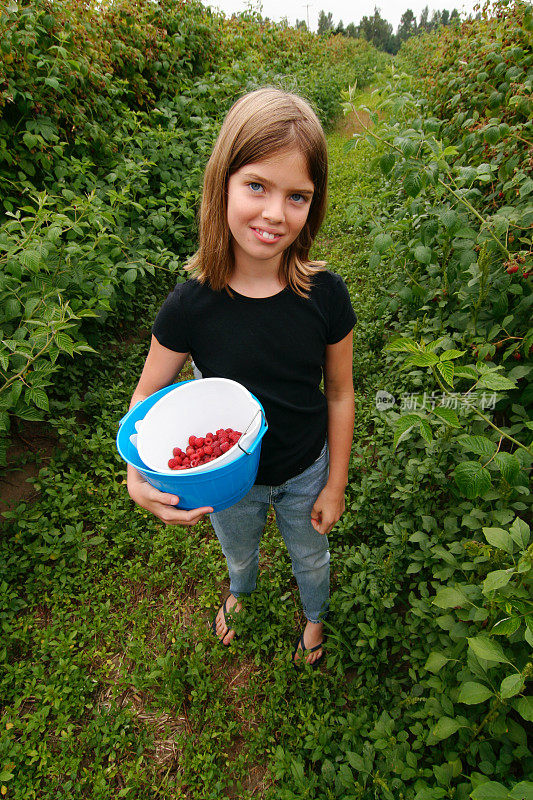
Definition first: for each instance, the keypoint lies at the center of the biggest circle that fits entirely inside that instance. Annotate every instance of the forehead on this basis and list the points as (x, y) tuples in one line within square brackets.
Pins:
[(288, 167)]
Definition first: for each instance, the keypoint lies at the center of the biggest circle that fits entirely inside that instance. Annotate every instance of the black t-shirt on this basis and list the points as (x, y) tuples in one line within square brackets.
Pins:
[(275, 347)]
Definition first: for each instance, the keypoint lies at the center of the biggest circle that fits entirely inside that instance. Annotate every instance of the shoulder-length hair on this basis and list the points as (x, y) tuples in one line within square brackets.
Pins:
[(259, 125)]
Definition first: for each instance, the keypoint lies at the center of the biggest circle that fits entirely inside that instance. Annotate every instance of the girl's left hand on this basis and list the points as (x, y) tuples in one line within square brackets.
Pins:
[(327, 509)]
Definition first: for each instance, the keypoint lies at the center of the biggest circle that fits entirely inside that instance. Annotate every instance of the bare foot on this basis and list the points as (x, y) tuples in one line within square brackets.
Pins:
[(221, 627), (312, 637)]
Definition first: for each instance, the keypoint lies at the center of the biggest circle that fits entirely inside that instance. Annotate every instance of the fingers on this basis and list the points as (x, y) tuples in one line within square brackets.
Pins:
[(322, 524), (172, 516), (163, 498)]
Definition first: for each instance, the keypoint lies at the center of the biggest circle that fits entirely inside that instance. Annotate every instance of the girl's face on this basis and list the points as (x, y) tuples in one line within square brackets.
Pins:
[(268, 203)]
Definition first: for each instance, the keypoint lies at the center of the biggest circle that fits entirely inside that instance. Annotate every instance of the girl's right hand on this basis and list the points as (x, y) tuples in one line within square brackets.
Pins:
[(162, 504)]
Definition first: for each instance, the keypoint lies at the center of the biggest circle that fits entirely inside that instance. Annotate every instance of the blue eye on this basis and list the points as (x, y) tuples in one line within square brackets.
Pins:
[(298, 198), (254, 186)]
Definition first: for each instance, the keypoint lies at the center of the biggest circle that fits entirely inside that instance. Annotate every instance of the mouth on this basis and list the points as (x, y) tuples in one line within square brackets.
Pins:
[(266, 236)]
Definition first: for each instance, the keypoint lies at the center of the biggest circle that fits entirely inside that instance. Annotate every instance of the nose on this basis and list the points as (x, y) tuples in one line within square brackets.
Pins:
[(273, 209)]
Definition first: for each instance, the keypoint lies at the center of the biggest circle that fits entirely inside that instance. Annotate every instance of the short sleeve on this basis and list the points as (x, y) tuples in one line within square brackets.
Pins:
[(170, 327), (342, 317)]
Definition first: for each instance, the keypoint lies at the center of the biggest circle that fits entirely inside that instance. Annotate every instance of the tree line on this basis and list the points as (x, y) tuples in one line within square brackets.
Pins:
[(377, 30)]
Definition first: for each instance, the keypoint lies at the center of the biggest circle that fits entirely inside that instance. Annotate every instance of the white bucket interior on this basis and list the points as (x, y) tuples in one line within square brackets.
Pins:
[(194, 409)]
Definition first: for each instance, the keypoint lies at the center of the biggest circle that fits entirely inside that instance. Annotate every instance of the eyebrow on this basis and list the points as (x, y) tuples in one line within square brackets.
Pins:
[(254, 177)]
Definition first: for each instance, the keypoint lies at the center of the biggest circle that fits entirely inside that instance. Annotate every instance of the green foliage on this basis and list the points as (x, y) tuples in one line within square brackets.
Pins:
[(108, 115), (450, 464)]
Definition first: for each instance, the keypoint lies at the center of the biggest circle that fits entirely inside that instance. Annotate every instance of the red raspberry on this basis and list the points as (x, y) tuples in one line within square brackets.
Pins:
[(190, 451), (192, 441), (208, 450), (173, 463), (225, 446), (217, 451), (200, 442), (512, 269), (220, 431), (194, 461), (177, 451), (200, 452)]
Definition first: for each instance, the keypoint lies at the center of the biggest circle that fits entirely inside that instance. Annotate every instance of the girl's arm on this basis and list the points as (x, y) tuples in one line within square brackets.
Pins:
[(338, 388), (160, 368)]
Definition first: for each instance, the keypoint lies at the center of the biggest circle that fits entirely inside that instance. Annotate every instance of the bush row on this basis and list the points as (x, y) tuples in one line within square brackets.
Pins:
[(439, 600), (107, 119)]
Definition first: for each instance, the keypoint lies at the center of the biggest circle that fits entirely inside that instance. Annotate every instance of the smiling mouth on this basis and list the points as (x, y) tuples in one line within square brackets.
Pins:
[(266, 236)]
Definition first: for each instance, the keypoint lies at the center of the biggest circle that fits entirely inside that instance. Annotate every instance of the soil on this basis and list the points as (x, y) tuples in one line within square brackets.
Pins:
[(354, 123), (31, 447)]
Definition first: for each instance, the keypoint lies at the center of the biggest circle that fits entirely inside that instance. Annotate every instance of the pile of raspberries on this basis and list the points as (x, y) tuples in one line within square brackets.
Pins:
[(202, 449)]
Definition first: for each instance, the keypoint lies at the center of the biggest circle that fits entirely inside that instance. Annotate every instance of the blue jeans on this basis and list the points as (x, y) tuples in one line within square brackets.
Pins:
[(239, 530)]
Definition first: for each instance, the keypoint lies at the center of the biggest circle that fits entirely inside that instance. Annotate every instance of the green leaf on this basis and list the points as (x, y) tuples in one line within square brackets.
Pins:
[(478, 444), (472, 693), (448, 416), (499, 538), (382, 242), (403, 427), (64, 342), (511, 685), (412, 183), (447, 355), (53, 83), (447, 370), (445, 727), (425, 430), (421, 360), (497, 579), (472, 479), (435, 662), (519, 532), (402, 346), (509, 466), (491, 790), (423, 254), (449, 218), (30, 140), (524, 706), (505, 627), (356, 761), (386, 162), (492, 134), (491, 380), (450, 598), (522, 791), (130, 275), (38, 396), (487, 649), (466, 372), (31, 259)]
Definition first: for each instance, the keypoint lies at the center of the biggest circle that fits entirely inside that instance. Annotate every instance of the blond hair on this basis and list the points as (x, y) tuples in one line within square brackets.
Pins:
[(259, 125)]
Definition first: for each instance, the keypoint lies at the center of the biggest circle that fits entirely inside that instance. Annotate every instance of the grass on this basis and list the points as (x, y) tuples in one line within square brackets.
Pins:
[(112, 684)]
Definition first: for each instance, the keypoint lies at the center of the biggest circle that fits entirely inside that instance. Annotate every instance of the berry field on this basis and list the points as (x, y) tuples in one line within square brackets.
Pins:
[(111, 683)]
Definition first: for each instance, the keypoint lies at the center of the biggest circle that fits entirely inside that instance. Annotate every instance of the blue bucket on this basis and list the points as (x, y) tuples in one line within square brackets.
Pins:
[(219, 487)]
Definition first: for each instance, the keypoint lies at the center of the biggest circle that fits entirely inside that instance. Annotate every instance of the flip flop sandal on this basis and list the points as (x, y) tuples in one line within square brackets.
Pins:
[(214, 623), (300, 642)]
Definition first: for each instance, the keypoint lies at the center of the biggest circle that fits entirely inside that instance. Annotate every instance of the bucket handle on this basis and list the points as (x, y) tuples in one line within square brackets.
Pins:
[(259, 411)]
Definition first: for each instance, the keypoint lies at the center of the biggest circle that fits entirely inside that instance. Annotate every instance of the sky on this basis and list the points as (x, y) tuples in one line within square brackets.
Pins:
[(345, 10)]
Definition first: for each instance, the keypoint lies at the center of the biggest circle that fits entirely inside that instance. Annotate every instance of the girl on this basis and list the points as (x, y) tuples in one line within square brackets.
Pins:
[(259, 312)]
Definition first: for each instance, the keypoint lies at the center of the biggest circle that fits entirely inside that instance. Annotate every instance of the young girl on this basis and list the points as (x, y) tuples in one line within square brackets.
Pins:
[(259, 312)]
